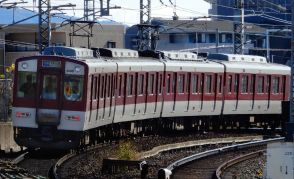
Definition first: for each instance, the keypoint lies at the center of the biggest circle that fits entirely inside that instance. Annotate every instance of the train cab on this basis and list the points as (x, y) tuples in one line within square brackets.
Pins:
[(49, 94)]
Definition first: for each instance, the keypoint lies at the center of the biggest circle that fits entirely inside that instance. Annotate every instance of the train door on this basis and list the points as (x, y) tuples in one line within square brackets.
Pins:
[(236, 91), (49, 92), (182, 94)]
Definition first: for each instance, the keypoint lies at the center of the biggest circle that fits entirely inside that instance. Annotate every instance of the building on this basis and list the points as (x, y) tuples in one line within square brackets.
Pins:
[(274, 15), (22, 39), (200, 36), (262, 12)]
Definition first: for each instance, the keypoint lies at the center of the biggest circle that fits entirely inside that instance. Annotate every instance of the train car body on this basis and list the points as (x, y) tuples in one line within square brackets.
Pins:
[(69, 93)]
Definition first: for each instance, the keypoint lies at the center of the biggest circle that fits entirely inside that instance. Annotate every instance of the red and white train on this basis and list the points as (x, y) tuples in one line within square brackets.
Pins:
[(73, 96)]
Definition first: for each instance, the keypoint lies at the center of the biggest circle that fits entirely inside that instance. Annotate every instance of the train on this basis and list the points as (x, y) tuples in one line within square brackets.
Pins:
[(70, 97)]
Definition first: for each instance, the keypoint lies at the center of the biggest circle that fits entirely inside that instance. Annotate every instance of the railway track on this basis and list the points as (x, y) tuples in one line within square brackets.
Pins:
[(211, 164), (88, 164), (30, 164)]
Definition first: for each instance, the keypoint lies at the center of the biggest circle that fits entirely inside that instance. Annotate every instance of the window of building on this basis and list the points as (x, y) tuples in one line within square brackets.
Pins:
[(111, 44), (210, 38), (192, 38), (201, 37), (225, 38)]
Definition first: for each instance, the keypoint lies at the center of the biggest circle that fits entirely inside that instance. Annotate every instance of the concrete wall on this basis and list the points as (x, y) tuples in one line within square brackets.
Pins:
[(7, 142)]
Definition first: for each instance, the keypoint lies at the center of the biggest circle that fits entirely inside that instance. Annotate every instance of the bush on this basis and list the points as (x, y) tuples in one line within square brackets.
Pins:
[(127, 151)]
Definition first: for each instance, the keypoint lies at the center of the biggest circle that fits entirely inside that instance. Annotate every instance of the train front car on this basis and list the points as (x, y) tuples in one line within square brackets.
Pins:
[(49, 101)]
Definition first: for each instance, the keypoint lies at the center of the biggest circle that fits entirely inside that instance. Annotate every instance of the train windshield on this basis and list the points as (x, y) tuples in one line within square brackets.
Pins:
[(49, 90), (73, 88), (26, 85)]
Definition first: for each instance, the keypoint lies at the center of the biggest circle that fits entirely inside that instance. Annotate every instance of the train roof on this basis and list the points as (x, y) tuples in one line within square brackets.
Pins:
[(256, 68), (72, 52), (237, 58)]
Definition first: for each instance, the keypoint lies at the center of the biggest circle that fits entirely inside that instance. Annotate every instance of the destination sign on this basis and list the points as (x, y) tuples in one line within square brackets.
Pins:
[(51, 64)]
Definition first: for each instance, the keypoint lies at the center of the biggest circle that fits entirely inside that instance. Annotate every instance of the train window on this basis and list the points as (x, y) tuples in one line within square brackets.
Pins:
[(194, 83), (230, 80), (252, 82), (26, 85), (102, 87), (168, 83), (95, 87), (151, 84), (140, 84), (109, 82), (244, 84), (173, 89), (236, 84), (49, 91), (181, 83), (160, 84), (119, 85), (260, 84), (283, 85), (188, 82), (73, 88), (208, 81), (267, 87), (219, 84), (275, 85), (130, 85)]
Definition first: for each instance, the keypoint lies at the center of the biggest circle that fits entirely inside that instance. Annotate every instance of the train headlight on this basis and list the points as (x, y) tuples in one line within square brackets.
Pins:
[(24, 65)]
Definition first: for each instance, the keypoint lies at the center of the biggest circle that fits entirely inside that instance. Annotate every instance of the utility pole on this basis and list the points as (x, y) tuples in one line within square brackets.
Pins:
[(147, 33), (89, 8), (239, 31), (44, 24)]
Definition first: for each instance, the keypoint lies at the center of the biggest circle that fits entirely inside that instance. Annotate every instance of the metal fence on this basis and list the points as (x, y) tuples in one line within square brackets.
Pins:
[(5, 99)]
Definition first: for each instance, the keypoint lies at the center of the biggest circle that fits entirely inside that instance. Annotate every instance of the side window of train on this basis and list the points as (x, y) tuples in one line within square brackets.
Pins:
[(283, 84), (236, 84), (174, 82), (252, 83), (102, 86), (120, 85), (275, 85), (151, 84), (219, 84), (195, 83), (160, 84), (260, 84), (267, 85), (181, 83), (109, 85), (95, 87), (26, 85), (244, 84), (230, 80), (130, 85), (168, 89), (208, 82), (140, 84)]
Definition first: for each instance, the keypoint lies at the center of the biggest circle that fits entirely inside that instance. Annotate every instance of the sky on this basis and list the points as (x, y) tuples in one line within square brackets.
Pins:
[(130, 14)]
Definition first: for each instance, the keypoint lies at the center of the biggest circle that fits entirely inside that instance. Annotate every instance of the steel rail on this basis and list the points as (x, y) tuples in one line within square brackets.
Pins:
[(220, 170), (201, 155)]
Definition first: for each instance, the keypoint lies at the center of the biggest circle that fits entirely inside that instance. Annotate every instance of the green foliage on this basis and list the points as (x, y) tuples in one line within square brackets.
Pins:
[(127, 151)]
